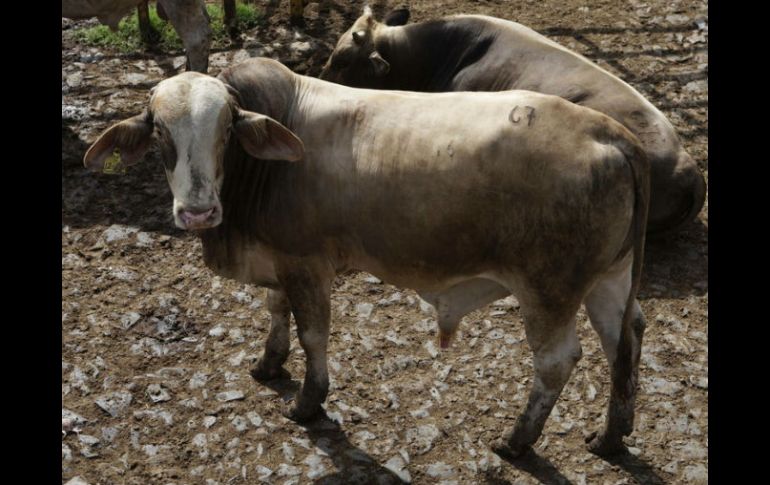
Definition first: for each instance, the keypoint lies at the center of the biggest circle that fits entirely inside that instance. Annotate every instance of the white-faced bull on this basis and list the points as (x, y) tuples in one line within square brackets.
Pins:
[(479, 53), (290, 180)]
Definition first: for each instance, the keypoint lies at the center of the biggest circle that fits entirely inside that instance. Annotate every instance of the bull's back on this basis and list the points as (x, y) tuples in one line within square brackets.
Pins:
[(520, 58), (474, 182)]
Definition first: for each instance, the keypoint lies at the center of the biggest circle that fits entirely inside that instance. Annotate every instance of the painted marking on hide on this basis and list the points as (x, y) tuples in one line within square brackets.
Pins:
[(515, 119)]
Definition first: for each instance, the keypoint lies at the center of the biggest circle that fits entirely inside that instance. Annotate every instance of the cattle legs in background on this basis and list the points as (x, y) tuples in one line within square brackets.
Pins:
[(191, 22), (230, 21), (605, 306), (297, 11), (150, 36)]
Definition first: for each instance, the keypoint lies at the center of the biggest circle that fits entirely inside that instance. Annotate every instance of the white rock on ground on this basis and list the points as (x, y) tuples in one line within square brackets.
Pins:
[(696, 474), (209, 421), (115, 403), (397, 465), (158, 393), (285, 470), (422, 437), (78, 480), (117, 232), (364, 310), (431, 348), (229, 396), (440, 470)]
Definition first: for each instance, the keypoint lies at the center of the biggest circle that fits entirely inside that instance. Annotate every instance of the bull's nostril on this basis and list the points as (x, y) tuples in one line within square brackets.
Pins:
[(195, 216)]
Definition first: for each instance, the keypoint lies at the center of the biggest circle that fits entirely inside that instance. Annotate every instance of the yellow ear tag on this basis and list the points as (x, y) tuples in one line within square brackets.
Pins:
[(113, 165)]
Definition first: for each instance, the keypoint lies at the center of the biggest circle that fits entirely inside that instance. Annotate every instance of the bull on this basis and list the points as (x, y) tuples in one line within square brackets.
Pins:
[(290, 180)]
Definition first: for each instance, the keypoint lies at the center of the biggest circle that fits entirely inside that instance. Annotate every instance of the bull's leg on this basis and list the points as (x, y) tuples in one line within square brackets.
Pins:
[(456, 302), (309, 297), (605, 305), (191, 22), (270, 366), (230, 19), (556, 349), (150, 36)]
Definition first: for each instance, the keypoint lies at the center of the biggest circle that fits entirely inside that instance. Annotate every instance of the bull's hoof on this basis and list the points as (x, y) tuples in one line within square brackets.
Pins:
[(505, 450), (264, 373), (604, 444), (302, 414)]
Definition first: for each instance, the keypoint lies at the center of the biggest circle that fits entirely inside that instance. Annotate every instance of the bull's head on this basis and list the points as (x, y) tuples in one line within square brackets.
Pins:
[(192, 116), (355, 60)]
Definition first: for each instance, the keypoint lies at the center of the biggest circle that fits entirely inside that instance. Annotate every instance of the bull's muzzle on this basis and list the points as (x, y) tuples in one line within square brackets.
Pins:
[(196, 218)]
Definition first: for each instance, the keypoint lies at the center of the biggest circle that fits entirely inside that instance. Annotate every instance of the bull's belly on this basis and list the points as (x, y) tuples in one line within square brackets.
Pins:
[(423, 276)]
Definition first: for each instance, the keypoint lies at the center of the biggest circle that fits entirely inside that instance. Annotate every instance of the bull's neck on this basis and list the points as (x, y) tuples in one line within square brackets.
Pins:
[(427, 56), (269, 90), (259, 196)]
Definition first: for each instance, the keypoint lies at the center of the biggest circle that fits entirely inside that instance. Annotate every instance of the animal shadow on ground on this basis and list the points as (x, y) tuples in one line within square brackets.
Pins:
[(353, 464), (542, 469), (537, 466), (642, 471), (676, 265)]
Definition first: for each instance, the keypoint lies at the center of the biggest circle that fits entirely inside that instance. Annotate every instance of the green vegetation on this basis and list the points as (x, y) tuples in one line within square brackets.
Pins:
[(128, 38)]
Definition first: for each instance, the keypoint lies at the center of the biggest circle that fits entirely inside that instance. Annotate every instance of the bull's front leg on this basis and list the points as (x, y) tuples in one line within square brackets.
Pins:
[(270, 366), (308, 290)]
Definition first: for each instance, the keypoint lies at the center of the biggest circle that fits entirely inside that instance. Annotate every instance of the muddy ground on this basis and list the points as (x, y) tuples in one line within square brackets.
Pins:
[(156, 349)]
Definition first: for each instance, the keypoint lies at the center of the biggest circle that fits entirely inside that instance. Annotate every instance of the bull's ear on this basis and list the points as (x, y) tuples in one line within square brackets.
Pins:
[(369, 16), (130, 139), (400, 16), (263, 137), (381, 66)]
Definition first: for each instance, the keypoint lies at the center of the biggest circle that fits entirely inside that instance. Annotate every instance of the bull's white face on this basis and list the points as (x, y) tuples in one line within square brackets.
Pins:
[(191, 117)]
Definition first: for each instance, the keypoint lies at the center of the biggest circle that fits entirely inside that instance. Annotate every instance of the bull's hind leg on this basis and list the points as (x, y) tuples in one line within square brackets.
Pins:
[(554, 343), (270, 366), (605, 305)]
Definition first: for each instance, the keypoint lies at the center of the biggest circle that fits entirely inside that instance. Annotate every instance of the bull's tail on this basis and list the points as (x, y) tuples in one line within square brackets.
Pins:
[(640, 168)]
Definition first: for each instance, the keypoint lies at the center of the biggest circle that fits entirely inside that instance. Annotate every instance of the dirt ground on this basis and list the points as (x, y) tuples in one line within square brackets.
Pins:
[(156, 349)]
